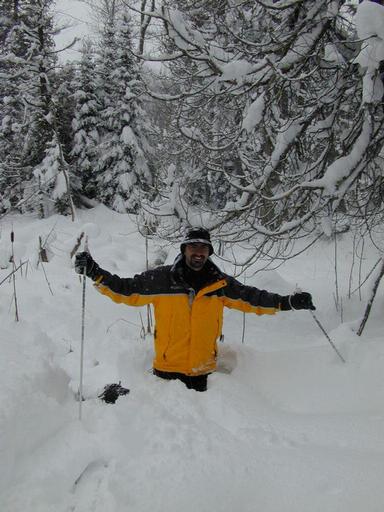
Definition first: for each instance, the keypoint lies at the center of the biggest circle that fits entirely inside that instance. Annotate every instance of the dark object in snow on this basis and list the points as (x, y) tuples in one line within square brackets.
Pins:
[(112, 392)]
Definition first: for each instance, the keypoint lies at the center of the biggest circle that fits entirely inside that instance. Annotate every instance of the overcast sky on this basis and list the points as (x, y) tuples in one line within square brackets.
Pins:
[(77, 14)]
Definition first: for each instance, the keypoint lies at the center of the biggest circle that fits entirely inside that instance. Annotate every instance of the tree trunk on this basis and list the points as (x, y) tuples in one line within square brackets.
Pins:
[(370, 302)]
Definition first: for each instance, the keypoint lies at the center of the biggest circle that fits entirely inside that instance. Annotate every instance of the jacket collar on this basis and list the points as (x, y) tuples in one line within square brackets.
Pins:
[(213, 271)]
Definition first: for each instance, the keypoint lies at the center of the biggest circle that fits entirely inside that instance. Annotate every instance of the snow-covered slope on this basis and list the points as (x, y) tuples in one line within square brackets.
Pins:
[(284, 426)]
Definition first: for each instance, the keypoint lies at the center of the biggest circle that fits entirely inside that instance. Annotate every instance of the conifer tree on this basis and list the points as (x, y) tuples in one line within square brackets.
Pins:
[(85, 123), (38, 72), (64, 88), (123, 173), (42, 157), (12, 50)]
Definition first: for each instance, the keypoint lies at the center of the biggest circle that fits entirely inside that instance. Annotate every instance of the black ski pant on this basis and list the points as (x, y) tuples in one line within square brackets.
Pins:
[(198, 382)]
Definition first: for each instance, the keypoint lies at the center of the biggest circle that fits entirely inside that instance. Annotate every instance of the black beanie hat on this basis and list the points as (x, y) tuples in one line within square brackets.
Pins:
[(197, 235)]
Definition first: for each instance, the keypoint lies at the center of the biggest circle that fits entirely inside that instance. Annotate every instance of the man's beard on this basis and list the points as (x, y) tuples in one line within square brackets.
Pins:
[(196, 264)]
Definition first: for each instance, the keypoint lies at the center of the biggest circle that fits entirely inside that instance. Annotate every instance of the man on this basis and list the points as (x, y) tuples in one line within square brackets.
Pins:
[(188, 299)]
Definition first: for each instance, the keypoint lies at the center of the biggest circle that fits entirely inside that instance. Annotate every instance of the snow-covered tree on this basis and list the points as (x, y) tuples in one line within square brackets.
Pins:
[(64, 89), (85, 123), (274, 97), (123, 172), (30, 128), (12, 49), (38, 72)]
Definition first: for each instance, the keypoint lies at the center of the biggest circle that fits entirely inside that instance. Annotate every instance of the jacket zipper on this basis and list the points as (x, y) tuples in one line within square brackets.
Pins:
[(191, 298)]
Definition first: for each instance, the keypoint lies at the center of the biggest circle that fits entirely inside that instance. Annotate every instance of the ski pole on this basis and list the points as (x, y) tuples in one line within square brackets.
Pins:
[(14, 276), (326, 335), (298, 290), (82, 333)]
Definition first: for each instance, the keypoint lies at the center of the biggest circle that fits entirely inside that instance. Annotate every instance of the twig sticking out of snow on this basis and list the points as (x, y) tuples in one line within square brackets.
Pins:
[(372, 298)]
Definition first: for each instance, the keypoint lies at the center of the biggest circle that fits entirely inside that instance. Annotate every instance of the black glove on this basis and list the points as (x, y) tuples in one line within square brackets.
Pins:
[(112, 392), (301, 300), (85, 263)]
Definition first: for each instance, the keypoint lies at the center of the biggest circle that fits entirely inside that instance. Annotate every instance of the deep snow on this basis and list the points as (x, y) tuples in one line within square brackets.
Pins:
[(284, 426)]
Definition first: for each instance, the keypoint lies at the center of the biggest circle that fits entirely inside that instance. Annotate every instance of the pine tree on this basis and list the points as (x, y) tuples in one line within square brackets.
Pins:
[(12, 50), (42, 156), (85, 123), (123, 173), (38, 71), (64, 90)]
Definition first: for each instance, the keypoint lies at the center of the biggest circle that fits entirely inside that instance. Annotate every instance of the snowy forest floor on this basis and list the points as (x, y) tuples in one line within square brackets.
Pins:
[(285, 426)]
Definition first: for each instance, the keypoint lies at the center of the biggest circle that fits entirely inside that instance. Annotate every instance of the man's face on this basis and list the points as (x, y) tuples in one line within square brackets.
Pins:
[(196, 254)]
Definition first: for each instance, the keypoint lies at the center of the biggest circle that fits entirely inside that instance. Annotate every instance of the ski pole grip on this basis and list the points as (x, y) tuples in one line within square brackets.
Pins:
[(12, 236), (86, 248)]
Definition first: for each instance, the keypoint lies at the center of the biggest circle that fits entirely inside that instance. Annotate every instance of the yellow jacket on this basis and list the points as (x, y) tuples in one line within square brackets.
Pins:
[(188, 324)]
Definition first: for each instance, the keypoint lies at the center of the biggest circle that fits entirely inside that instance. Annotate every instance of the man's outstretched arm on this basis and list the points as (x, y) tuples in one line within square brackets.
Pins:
[(250, 299), (133, 291)]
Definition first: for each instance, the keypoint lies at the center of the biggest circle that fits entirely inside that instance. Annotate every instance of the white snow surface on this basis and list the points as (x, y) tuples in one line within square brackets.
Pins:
[(284, 425)]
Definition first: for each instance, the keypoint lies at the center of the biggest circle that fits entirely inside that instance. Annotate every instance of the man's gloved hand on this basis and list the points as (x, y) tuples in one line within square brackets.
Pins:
[(301, 300), (84, 263)]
